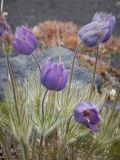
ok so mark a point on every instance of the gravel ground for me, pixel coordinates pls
(30, 12)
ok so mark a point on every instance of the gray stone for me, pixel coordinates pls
(24, 65)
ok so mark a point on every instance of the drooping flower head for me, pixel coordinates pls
(54, 76)
(99, 30)
(87, 114)
(24, 41)
(108, 21)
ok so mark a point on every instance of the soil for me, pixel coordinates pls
(31, 12)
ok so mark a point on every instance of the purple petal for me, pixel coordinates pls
(19, 33)
(22, 47)
(78, 116)
(87, 114)
(51, 77)
(92, 127)
(45, 69)
(95, 118)
(108, 21)
(31, 39)
(61, 67)
(54, 76)
(84, 106)
(61, 83)
(100, 16)
(107, 35)
(25, 30)
(91, 34)
(112, 23)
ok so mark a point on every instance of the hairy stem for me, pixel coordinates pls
(94, 73)
(7, 154)
(25, 149)
(38, 63)
(43, 100)
(114, 106)
(12, 78)
(59, 45)
(73, 63)
(34, 142)
(68, 123)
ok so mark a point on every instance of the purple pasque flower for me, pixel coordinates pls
(99, 30)
(109, 22)
(87, 114)
(24, 41)
(91, 34)
(54, 76)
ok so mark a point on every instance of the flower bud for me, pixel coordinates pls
(54, 76)
(109, 22)
(24, 41)
(99, 30)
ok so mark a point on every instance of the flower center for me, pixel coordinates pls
(87, 114)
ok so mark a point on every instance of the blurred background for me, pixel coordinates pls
(31, 12)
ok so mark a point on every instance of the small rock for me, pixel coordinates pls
(24, 65)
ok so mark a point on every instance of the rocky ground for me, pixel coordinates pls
(31, 12)
(24, 65)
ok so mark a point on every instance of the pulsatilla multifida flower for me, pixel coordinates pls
(24, 41)
(99, 30)
(108, 21)
(87, 114)
(54, 76)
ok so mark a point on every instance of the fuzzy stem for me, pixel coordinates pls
(59, 45)
(68, 123)
(34, 142)
(73, 63)
(94, 73)
(41, 148)
(38, 63)
(7, 154)
(113, 108)
(25, 149)
(43, 100)
(13, 86)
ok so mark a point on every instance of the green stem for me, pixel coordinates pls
(59, 45)
(41, 148)
(7, 154)
(43, 100)
(34, 142)
(94, 73)
(73, 63)
(10, 70)
(38, 63)
(114, 106)
(25, 148)
(68, 123)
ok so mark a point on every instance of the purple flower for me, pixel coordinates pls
(54, 76)
(99, 30)
(87, 114)
(108, 21)
(24, 41)
(91, 34)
